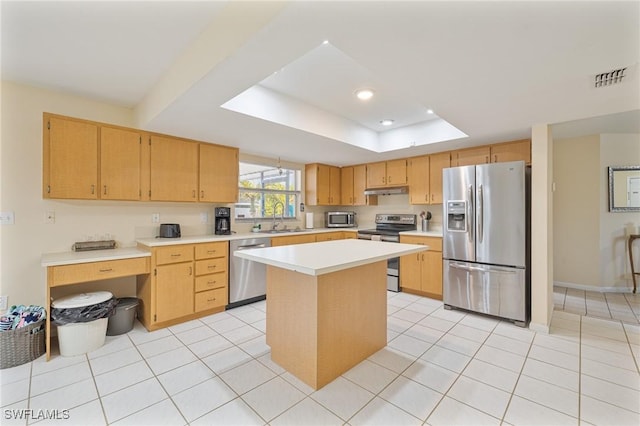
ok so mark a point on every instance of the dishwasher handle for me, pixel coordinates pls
(251, 246)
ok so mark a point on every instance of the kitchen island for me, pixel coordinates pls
(326, 304)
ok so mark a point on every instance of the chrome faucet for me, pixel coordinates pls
(275, 205)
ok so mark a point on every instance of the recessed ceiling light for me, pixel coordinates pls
(386, 122)
(364, 94)
(325, 42)
(429, 111)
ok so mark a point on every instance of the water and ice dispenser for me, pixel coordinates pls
(457, 216)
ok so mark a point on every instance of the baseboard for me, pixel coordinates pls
(593, 288)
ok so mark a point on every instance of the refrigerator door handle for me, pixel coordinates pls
(469, 213)
(491, 269)
(480, 213)
(461, 266)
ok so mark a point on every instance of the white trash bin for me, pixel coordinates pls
(81, 337)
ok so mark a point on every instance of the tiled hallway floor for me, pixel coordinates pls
(440, 368)
(618, 306)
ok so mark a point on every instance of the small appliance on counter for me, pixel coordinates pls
(222, 221)
(340, 219)
(169, 230)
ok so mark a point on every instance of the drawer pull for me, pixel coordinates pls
(106, 270)
(210, 283)
(211, 251)
(211, 266)
(211, 300)
(176, 254)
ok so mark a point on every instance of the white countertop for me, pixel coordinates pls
(435, 233)
(75, 257)
(329, 256)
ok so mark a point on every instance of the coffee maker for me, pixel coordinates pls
(222, 223)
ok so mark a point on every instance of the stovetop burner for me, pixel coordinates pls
(389, 226)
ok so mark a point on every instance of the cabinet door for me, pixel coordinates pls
(512, 151)
(397, 172)
(119, 164)
(174, 291)
(174, 169)
(437, 162)
(70, 157)
(411, 271)
(334, 186)
(359, 186)
(472, 156)
(432, 273)
(293, 239)
(346, 185)
(418, 170)
(329, 236)
(218, 174)
(377, 175)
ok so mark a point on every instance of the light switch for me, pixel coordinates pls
(7, 218)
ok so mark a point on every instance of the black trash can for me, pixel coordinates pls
(123, 320)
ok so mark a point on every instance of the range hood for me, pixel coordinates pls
(387, 191)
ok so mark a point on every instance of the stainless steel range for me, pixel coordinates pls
(388, 228)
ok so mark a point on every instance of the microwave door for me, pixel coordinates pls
(458, 187)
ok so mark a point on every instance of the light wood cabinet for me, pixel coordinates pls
(174, 169)
(218, 167)
(387, 173)
(322, 185)
(186, 281)
(471, 156)
(421, 273)
(353, 184)
(418, 171)
(292, 239)
(70, 158)
(512, 151)
(120, 164)
(437, 162)
(329, 236)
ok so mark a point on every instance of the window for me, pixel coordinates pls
(262, 187)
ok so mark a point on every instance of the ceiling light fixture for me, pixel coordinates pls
(364, 94)
(386, 122)
(429, 111)
(325, 42)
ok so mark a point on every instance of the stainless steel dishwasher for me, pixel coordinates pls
(247, 279)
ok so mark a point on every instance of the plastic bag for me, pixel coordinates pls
(89, 313)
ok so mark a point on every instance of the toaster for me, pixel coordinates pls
(169, 230)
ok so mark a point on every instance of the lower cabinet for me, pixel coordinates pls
(311, 238)
(421, 273)
(186, 281)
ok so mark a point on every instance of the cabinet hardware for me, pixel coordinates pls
(105, 190)
(212, 266)
(211, 251)
(193, 194)
(201, 194)
(176, 254)
(210, 283)
(106, 270)
(93, 189)
(48, 125)
(211, 300)
(48, 189)
(389, 179)
(155, 272)
(190, 270)
(495, 158)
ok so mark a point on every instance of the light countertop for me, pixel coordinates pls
(75, 257)
(329, 256)
(435, 233)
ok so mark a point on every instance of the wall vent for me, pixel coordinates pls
(610, 78)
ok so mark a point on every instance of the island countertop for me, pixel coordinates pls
(328, 256)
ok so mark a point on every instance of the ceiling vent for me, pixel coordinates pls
(610, 78)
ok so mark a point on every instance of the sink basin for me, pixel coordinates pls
(282, 231)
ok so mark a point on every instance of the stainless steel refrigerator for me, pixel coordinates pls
(486, 256)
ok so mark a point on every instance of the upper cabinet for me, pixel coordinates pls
(387, 173)
(353, 184)
(174, 169)
(120, 157)
(512, 151)
(437, 162)
(322, 185)
(218, 174)
(70, 158)
(471, 156)
(425, 178)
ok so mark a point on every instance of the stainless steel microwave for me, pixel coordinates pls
(340, 219)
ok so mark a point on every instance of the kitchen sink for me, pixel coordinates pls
(282, 231)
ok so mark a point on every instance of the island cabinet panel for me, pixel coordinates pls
(322, 185)
(422, 273)
(174, 169)
(70, 158)
(120, 164)
(218, 174)
(512, 151)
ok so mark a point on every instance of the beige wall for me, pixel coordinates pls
(576, 212)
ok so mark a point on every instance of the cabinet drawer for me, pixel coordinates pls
(208, 250)
(94, 271)
(211, 299)
(209, 266)
(434, 243)
(174, 254)
(211, 281)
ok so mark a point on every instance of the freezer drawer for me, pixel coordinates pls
(493, 290)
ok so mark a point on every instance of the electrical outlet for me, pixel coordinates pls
(49, 217)
(7, 218)
(4, 303)
(155, 218)
(204, 217)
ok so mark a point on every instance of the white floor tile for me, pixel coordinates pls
(380, 412)
(428, 334)
(114, 361)
(307, 412)
(446, 358)
(159, 346)
(189, 325)
(553, 357)
(520, 412)
(611, 393)
(342, 397)
(610, 373)
(437, 323)
(248, 315)
(431, 375)
(398, 325)
(169, 360)
(132, 399)
(13, 392)
(408, 315)
(270, 364)
(140, 335)
(371, 376)
(185, 377)
(242, 334)
(227, 324)
(451, 315)
(552, 374)
(480, 321)
(469, 333)
(247, 376)
(13, 414)
(481, 396)
(111, 344)
(256, 347)
(607, 357)
(89, 414)
(273, 398)
(557, 344)
(508, 344)
(195, 334)
(600, 413)
(41, 365)
(546, 394)
(421, 308)
(210, 346)
(226, 360)
(297, 383)
(59, 378)
(203, 398)
(163, 413)
(118, 379)
(15, 374)
(410, 345)
(607, 344)
(412, 397)
(459, 344)
(392, 359)
(491, 374)
(65, 398)
(236, 412)
(451, 412)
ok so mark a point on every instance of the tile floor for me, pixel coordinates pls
(440, 368)
(618, 306)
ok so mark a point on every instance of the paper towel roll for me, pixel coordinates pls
(309, 221)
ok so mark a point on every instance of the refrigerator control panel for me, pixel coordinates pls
(457, 215)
